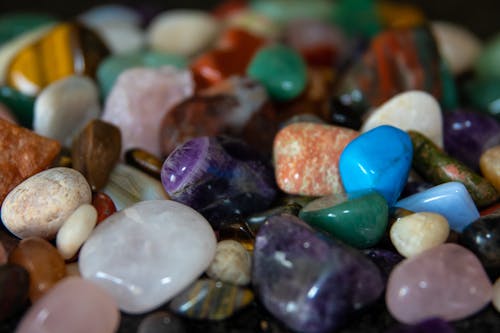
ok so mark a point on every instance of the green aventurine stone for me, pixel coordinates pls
(281, 70)
(113, 66)
(357, 17)
(484, 94)
(14, 24)
(282, 11)
(359, 220)
(22, 106)
(487, 64)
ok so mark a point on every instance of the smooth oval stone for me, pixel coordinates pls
(358, 220)
(95, 152)
(446, 281)
(43, 263)
(14, 288)
(22, 106)
(432, 325)
(308, 282)
(484, 94)
(239, 232)
(139, 100)
(379, 160)
(144, 161)
(127, 186)
(467, 135)
(496, 294)
(17, 23)
(486, 65)
(450, 200)
(104, 206)
(385, 260)
(306, 158)
(483, 238)
(410, 110)
(489, 162)
(62, 308)
(231, 264)
(161, 321)
(39, 205)
(438, 167)
(183, 32)
(457, 45)
(76, 230)
(146, 254)
(415, 233)
(211, 300)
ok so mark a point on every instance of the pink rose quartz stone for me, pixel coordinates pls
(446, 281)
(73, 305)
(140, 99)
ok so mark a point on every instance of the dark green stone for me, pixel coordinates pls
(357, 17)
(449, 97)
(14, 24)
(487, 65)
(22, 106)
(485, 95)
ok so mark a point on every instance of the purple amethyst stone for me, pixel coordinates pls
(385, 260)
(307, 281)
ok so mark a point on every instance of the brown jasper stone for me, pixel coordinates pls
(104, 205)
(144, 161)
(22, 154)
(96, 151)
(240, 232)
(42, 261)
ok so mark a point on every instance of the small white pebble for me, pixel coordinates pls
(76, 230)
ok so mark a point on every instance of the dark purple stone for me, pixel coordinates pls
(307, 281)
(220, 177)
(468, 134)
(385, 260)
(432, 325)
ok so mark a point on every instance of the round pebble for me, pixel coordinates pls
(232, 263)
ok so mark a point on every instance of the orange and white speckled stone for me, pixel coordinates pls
(306, 157)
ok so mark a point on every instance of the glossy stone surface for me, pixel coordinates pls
(256, 220)
(76, 230)
(239, 232)
(308, 282)
(144, 161)
(379, 160)
(75, 305)
(231, 264)
(104, 206)
(450, 200)
(385, 260)
(95, 152)
(489, 163)
(358, 220)
(306, 158)
(211, 300)
(161, 321)
(483, 238)
(220, 177)
(437, 167)
(446, 281)
(146, 254)
(14, 288)
(43, 263)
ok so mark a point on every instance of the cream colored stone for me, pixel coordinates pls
(415, 233)
(232, 263)
(76, 230)
(40, 204)
(490, 165)
(496, 295)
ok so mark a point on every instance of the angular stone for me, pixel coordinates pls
(231, 264)
(446, 281)
(450, 200)
(486, 65)
(22, 154)
(308, 282)
(220, 177)
(21, 105)
(358, 220)
(76, 230)
(43, 263)
(489, 162)
(437, 167)
(144, 161)
(62, 308)
(39, 205)
(95, 152)
(306, 158)
(410, 110)
(104, 206)
(379, 160)
(146, 254)
(140, 99)
(385, 260)
(14, 288)
(432, 325)
(211, 300)
(161, 321)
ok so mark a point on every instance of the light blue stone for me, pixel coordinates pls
(380, 160)
(449, 199)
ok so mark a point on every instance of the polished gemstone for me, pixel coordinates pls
(231, 264)
(484, 94)
(239, 232)
(385, 260)
(487, 64)
(357, 17)
(15, 24)
(104, 205)
(161, 321)
(489, 163)
(432, 325)
(14, 288)
(144, 161)
(76, 230)
(256, 220)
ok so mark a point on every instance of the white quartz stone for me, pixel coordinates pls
(146, 254)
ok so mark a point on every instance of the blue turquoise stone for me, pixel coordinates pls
(379, 160)
(449, 199)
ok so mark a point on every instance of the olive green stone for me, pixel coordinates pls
(357, 17)
(487, 64)
(281, 70)
(485, 95)
(359, 220)
(14, 24)
(22, 106)
(437, 167)
(282, 11)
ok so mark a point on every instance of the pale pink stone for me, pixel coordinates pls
(447, 281)
(3, 254)
(73, 305)
(140, 99)
(6, 114)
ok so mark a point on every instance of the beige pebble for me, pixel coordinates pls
(496, 294)
(490, 165)
(76, 230)
(418, 232)
(232, 263)
(40, 204)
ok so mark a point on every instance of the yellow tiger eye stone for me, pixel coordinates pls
(396, 15)
(68, 48)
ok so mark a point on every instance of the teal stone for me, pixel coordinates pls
(113, 66)
(357, 17)
(22, 106)
(449, 97)
(484, 94)
(14, 24)
(281, 70)
(359, 220)
(282, 11)
(487, 64)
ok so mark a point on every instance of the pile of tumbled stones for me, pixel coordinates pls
(272, 166)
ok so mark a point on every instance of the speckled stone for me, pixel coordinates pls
(232, 263)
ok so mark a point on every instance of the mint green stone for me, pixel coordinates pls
(281, 70)
(449, 98)
(485, 95)
(282, 11)
(113, 66)
(14, 24)
(22, 106)
(357, 17)
(488, 63)
(359, 220)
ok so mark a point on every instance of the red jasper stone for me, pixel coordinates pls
(104, 205)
